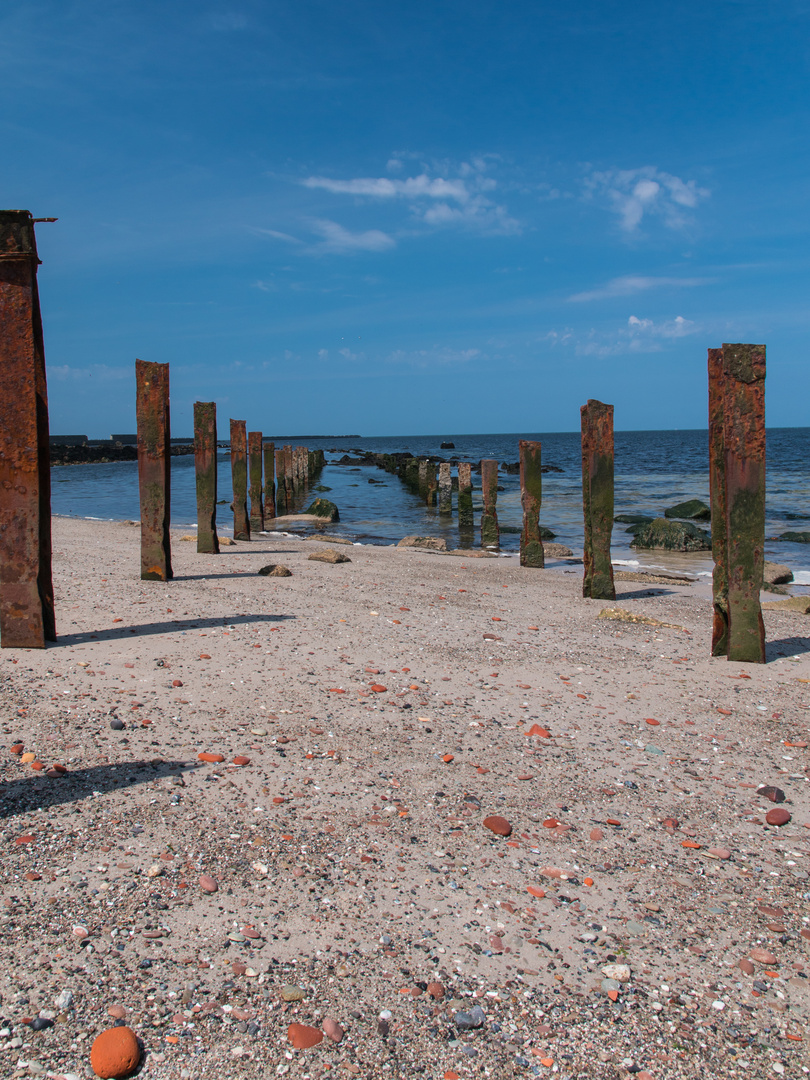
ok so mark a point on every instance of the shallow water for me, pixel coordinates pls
(654, 469)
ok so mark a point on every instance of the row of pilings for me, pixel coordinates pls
(270, 480)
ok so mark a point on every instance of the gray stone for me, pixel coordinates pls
(777, 574)
(329, 556)
(275, 570)
(692, 509)
(323, 508)
(430, 543)
(673, 536)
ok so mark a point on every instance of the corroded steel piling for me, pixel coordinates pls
(269, 480)
(423, 478)
(289, 478)
(490, 532)
(431, 483)
(205, 467)
(26, 587)
(465, 501)
(239, 477)
(445, 489)
(531, 496)
(154, 468)
(255, 466)
(597, 499)
(739, 488)
(717, 499)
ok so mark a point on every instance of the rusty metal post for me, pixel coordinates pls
(597, 499)
(154, 468)
(490, 531)
(432, 484)
(445, 489)
(239, 477)
(531, 496)
(289, 479)
(27, 618)
(717, 499)
(465, 501)
(255, 463)
(205, 467)
(740, 485)
(269, 480)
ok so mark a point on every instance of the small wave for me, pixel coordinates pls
(626, 562)
(801, 577)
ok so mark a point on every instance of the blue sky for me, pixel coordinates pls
(385, 218)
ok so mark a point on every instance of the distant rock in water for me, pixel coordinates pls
(325, 509)
(632, 519)
(691, 510)
(672, 535)
(447, 446)
(796, 537)
(512, 468)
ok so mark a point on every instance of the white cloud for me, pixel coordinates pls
(634, 194)
(674, 328)
(435, 200)
(277, 235)
(630, 284)
(443, 356)
(636, 336)
(336, 238)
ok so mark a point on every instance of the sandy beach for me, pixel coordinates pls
(639, 918)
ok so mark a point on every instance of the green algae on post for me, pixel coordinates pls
(255, 467)
(531, 497)
(490, 532)
(241, 524)
(597, 499)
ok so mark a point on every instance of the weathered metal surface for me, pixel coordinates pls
(597, 499)
(465, 501)
(154, 468)
(531, 496)
(239, 479)
(269, 480)
(717, 499)
(289, 479)
(431, 483)
(744, 431)
(445, 488)
(490, 531)
(205, 467)
(256, 493)
(423, 478)
(27, 618)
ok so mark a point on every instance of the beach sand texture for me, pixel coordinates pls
(382, 709)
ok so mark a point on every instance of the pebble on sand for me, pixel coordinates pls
(208, 884)
(333, 1030)
(212, 759)
(778, 816)
(302, 1036)
(499, 825)
(115, 1053)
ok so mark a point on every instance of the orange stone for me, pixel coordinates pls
(499, 825)
(210, 758)
(302, 1036)
(540, 732)
(115, 1053)
(240, 759)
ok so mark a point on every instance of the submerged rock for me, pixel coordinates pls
(796, 537)
(692, 509)
(323, 508)
(672, 535)
(632, 519)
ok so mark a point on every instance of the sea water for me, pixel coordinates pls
(653, 470)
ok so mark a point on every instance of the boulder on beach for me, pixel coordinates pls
(557, 551)
(796, 537)
(691, 510)
(672, 535)
(430, 543)
(323, 508)
(776, 574)
(329, 556)
(275, 570)
(792, 603)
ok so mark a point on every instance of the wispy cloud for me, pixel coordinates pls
(462, 197)
(336, 238)
(630, 284)
(634, 194)
(100, 372)
(635, 336)
(442, 356)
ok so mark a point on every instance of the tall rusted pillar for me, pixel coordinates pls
(239, 477)
(154, 468)
(431, 484)
(423, 478)
(205, 467)
(26, 587)
(490, 532)
(465, 501)
(269, 480)
(737, 484)
(531, 496)
(255, 465)
(289, 479)
(597, 499)
(445, 489)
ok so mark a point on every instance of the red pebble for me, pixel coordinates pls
(302, 1036)
(499, 825)
(115, 1053)
(779, 816)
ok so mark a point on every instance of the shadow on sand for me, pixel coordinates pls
(169, 626)
(35, 791)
